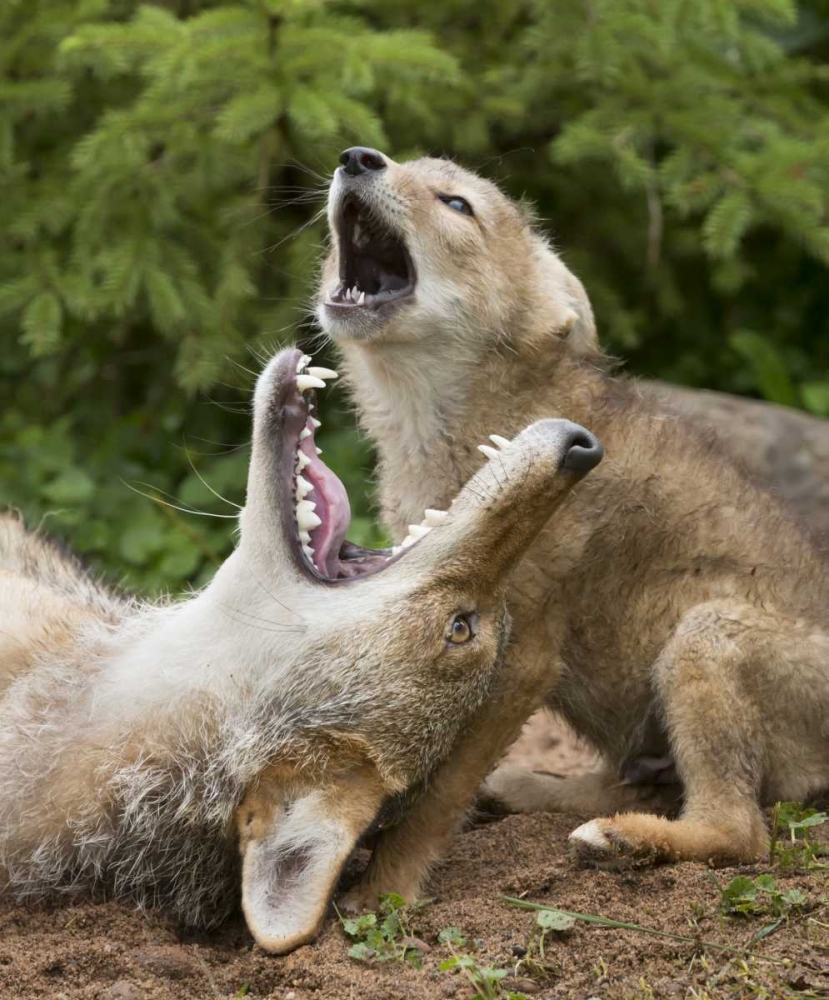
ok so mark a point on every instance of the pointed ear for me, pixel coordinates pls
(294, 842)
(579, 326)
(570, 315)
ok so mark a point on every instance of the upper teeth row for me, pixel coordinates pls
(355, 295)
(306, 519)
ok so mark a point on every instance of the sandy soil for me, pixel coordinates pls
(111, 952)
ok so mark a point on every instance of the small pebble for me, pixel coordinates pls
(519, 950)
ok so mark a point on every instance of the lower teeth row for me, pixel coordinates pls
(433, 518)
(354, 295)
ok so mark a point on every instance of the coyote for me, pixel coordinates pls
(253, 732)
(672, 612)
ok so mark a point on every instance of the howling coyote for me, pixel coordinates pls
(250, 734)
(672, 612)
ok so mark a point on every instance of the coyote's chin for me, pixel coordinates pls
(235, 745)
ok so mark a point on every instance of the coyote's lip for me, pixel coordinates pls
(312, 493)
(375, 267)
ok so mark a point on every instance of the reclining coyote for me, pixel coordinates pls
(283, 710)
(678, 615)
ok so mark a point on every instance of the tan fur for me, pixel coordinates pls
(683, 611)
(273, 715)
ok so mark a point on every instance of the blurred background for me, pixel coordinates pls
(163, 171)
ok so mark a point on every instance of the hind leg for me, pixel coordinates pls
(517, 790)
(717, 738)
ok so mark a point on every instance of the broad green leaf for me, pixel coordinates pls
(554, 920)
(74, 486)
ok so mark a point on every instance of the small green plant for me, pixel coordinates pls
(486, 980)
(387, 935)
(759, 897)
(452, 936)
(535, 963)
(552, 922)
(791, 842)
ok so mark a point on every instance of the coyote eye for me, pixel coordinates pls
(462, 629)
(457, 203)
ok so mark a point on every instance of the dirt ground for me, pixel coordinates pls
(111, 952)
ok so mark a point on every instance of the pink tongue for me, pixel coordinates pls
(333, 507)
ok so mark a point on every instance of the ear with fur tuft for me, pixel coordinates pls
(294, 844)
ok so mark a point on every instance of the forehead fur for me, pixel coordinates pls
(447, 177)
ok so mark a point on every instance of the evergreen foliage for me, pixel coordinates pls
(162, 175)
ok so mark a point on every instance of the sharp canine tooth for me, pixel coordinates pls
(307, 520)
(418, 530)
(362, 299)
(304, 382)
(302, 487)
(489, 452)
(434, 517)
(301, 461)
(502, 442)
(318, 451)
(323, 373)
(316, 424)
(304, 433)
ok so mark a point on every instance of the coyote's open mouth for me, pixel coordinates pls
(315, 496)
(375, 266)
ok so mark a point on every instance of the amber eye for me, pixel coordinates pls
(461, 630)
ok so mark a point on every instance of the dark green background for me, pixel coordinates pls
(162, 167)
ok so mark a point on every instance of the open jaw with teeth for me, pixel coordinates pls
(375, 266)
(321, 511)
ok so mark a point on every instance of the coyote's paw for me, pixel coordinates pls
(601, 843)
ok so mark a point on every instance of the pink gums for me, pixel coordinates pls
(332, 508)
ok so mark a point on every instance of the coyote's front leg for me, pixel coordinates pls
(704, 678)
(404, 853)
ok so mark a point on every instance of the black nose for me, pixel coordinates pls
(360, 160)
(583, 450)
